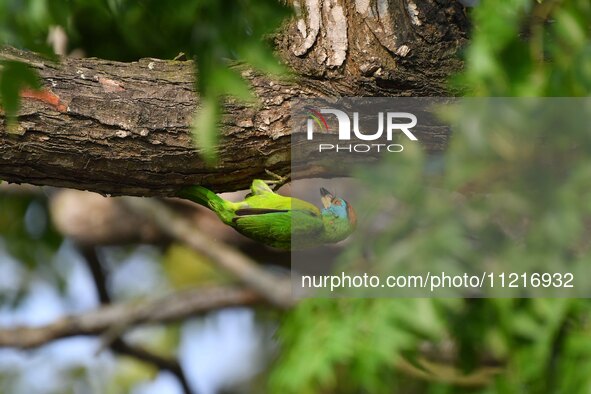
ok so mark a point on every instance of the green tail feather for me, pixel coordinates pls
(209, 199)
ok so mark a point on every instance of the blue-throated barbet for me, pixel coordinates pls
(276, 220)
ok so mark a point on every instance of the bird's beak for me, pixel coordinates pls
(327, 197)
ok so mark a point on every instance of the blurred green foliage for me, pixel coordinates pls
(353, 345)
(26, 233)
(211, 32)
(512, 192)
(26, 229)
(528, 48)
(185, 268)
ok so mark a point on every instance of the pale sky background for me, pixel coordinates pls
(222, 349)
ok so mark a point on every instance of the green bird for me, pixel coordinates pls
(276, 220)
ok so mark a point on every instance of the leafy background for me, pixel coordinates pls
(518, 48)
(541, 345)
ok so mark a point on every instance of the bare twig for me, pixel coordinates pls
(96, 270)
(172, 307)
(438, 372)
(277, 289)
(163, 363)
(119, 345)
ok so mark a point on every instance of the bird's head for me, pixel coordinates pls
(338, 207)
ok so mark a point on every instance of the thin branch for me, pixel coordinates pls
(98, 274)
(119, 345)
(447, 373)
(172, 307)
(277, 289)
(162, 363)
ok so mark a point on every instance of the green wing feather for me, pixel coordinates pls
(275, 219)
(264, 216)
(272, 200)
(278, 226)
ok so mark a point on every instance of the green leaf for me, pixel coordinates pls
(262, 58)
(204, 130)
(224, 81)
(14, 77)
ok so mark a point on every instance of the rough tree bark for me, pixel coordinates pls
(124, 128)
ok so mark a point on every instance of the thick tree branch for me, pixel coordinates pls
(124, 128)
(172, 307)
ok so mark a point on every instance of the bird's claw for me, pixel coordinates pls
(278, 181)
